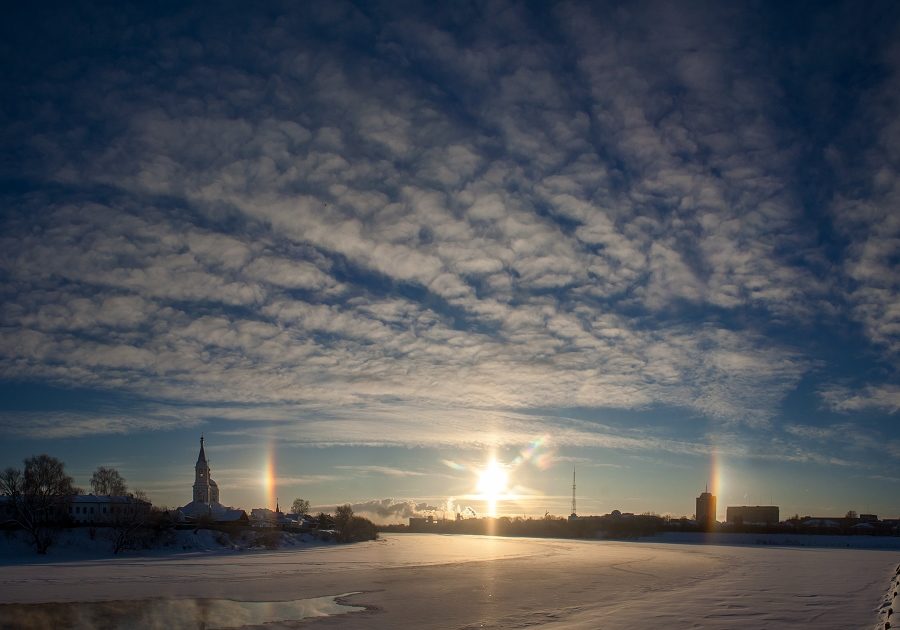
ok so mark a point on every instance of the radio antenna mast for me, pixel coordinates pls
(573, 491)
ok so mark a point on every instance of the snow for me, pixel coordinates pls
(889, 603)
(214, 509)
(779, 540)
(84, 544)
(434, 581)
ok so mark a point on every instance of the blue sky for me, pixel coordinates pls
(371, 246)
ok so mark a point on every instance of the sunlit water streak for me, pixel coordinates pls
(157, 614)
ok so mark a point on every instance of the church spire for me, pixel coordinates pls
(203, 492)
(202, 457)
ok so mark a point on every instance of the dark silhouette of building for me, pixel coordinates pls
(752, 515)
(706, 510)
(421, 523)
(868, 518)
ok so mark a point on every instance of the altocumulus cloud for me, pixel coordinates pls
(326, 218)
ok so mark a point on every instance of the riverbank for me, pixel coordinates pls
(84, 543)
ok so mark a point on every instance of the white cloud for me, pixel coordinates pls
(873, 397)
(348, 244)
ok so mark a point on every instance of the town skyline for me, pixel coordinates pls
(509, 502)
(367, 249)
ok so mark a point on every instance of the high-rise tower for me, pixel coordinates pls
(706, 510)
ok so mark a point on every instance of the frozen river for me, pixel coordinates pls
(431, 581)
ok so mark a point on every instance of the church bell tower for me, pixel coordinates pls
(201, 477)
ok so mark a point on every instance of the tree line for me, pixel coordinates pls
(347, 526)
(37, 498)
(38, 495)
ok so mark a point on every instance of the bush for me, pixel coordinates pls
(270, 539)
(359, 529)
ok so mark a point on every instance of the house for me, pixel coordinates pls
(106, 509)
(752, 515)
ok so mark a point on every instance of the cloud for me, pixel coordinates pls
(884, 398)
(387, 511)
(382, 470)
(849, 437)
(583, 461)
(465, 225)
(865, 212)
(65, 424)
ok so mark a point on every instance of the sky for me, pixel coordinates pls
(367, 248)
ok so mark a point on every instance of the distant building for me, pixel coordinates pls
(421, 523)
(264, 517)
(706, 510)
(752, 515)
(822, 522)
(84, 509)
(868, 518)
(206, 497)
(106, 510)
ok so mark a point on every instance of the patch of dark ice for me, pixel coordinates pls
(179, 614)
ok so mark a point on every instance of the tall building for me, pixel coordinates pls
(205, 489)
(706, 510)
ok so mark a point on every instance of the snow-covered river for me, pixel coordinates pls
(431, 581)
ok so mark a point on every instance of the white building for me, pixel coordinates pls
(105, 509)
(205, 489)
(206, 496)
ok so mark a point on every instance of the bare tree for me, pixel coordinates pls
(11, 482)
(12, 485)
(140, 494)
(352, 528)
(39, 495)
(108, 481)
(129, 518)
(324, 521)
(342, 517)
(301, 506)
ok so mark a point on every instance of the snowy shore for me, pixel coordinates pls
(84, 544)
(433, 581)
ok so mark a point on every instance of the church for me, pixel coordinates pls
(206, 496)
(205, 489)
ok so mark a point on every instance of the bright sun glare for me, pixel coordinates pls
(492, 482)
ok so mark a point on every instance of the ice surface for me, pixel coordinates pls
(168, 614)
(432, 581)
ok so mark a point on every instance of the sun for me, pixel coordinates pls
(492, 482)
